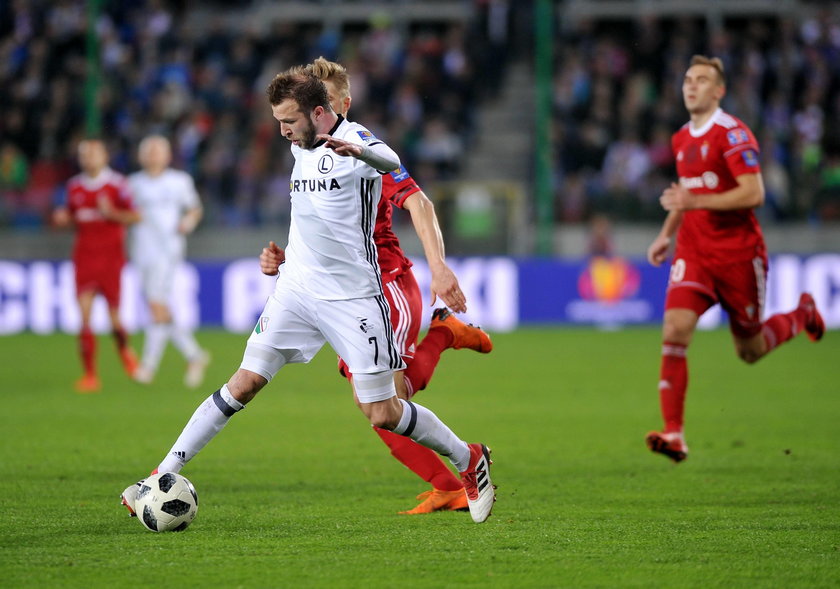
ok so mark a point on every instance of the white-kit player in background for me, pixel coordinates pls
(329, 290)
(170, 209)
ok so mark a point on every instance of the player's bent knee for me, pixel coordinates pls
(383, 414)
(676, 333)
(244, 385)
(749, 356)
(678, 326)
(751, 350)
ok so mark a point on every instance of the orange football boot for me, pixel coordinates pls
(465, 335)
(439, 500)
(89, 383)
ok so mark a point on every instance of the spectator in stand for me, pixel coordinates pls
(164, 72)
(14, 175)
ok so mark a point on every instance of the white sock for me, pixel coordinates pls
(157, 335)
(426, 428)
(207, 421)
(184, 341)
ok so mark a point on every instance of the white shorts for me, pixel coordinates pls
(293, 327)
(158, 278)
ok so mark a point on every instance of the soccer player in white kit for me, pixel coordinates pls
(170, 209)
(329, 291)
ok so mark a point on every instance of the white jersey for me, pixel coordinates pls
(331, 254)
(161, 200)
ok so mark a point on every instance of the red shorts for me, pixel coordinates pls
(406, 305)
(101, 275)
(740, 288)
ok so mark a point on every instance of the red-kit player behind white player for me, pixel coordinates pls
(99, 205)
(446, 331)
(720, 255)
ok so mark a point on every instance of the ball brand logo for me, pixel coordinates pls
(608, 280)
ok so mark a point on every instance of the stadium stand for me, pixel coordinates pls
(421, 80)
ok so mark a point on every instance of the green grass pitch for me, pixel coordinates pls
(298, 492)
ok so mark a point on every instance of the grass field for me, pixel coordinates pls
(298, 492)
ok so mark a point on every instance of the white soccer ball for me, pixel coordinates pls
(166, 502)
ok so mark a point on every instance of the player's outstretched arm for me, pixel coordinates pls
(270, 259)
(444, 282)
(379, 157)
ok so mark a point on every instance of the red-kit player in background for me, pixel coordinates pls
(100, 207)
(720, 255)
(445, 331)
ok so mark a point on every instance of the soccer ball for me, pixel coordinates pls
(166, 502)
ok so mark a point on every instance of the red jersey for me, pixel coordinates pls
(396, 187)
(709, 160)
(97, 237)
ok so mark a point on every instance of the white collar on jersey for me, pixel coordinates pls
(706, 126)
(97, 182)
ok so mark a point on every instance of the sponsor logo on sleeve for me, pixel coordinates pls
(737, 136)
(750, 157)
(262, 325)
(399, 174)
(366, 136)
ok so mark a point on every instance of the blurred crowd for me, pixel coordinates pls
(617, 100)
(203, 86)
(616, 93)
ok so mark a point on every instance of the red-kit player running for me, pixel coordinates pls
(720, 255)
(445, 331)
(99, 205)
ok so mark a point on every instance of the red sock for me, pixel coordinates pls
(426, 358)
(87, 349)
(782, 327)
(121, 338)
(673, 381)
(421, 460)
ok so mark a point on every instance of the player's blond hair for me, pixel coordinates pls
(330, 71)
(714, 62)
(149, 140)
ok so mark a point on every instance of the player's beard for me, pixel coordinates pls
(307, 137)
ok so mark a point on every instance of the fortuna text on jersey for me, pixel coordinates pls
(313, 185)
